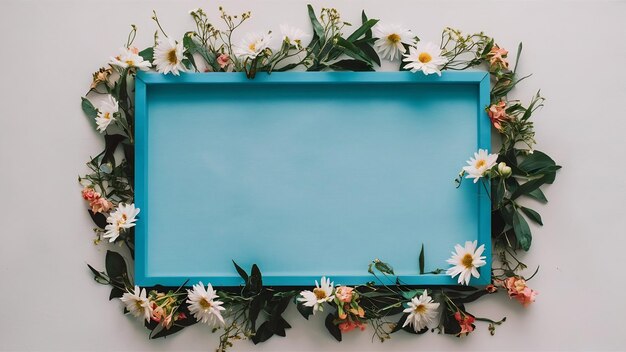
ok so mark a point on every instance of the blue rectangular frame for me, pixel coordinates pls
(145, 80)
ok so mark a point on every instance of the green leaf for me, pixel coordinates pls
(98, 218)
(368, 33)
(90, 111)
(369, 51)
(532, 215)
(116, 292)
(383, 267)
(522, 231)
(421, 260)
(304, 310)
(241, 272)
(412, 293)
(262, 334)
(166, 332)
(351, 65)
(317, 27)
(538, 195)
(115, 266)
(332, 327)
(147, 54)
(365, 27)
(519, 52)
(255, 308)
(535, 162)
(352, 50)
(98, 276)
(256, 279)
(529, 186)
(111, 141)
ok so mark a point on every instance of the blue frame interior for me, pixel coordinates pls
(146, 81)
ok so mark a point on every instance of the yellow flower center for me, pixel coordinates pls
(205, 304)
(468, 261)
(252, 47)
(394, 38)
(420, 309)
(130, 63)
(319, 293)
(107, 115)
(138, 305)
(171, 57)
(480, 163)
(424, 58)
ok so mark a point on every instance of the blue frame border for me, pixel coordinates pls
(144, 80)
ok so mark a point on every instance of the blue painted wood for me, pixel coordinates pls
(306, 174)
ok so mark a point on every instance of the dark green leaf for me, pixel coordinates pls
(529, 186)
(368, 33)
(369, 51)
(147, 54)
(304, 310)
(532, 215)
(256, 279)
(262, 334)
(111, 141)
(351, 65)
(410, 294)
(400, 322)
(241, 272)
(98, 276)
(98, 218)
(535, 162)
(522, 231)
(116, 293)
(538, 195)
(332, 327)
(317, 27)
(383, 267)
(498, 192)
(166, 332)
(519, 52)
(352, 50)
(255, 308)
(421, 260)
(115, 266)
(365, 28)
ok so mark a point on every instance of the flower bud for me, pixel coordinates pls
(504, 170)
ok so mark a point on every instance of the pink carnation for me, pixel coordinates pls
(497, 57)
(223, 60)
(497, 114)
(90, 194)
(344, 294)
(351, 325)
(465, 321)
(517, 289)
(100, 205)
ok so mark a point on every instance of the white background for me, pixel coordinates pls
(575, 49)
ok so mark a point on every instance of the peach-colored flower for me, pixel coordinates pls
(351, 325)
(223, 60)
(90, 194)
(491, 288)
(133, 50)
(497, 57)
(497, 114)
(100, 205)
(518, 289)
(344, 293)
(465, 322)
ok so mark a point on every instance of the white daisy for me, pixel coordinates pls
(465, 261)
(122, 218)
(294, 36)
(203, 306)
(253, 45)
(137, 303)
(129, 57)
(105, 113)
(390, 40)
(479, 164)
(422, 312)
(425, 57)
(168, 56)
(318, 296)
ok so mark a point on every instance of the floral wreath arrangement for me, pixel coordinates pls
(254, 311)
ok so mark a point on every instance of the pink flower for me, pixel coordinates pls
(497, 114)
(344, 293)
(100, 205)
(134, 50)
(90, 194)
(517, 289)
(497, 57)
(465, 322)
(223, 60)
(491, 288)
(351, 325)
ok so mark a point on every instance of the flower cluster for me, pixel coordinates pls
(516, 170)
